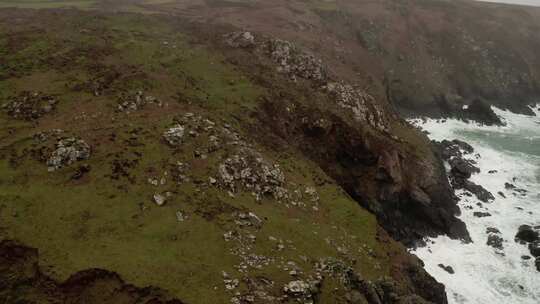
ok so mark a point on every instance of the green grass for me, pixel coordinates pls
(98, 221)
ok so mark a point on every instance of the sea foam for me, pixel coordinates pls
(484, 274)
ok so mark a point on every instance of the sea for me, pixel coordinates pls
(504, 154)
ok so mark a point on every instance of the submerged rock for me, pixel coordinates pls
(448, 269)
(68, 151)
(495, 241)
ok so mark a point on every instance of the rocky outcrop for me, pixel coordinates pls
(530, 235)
(22, 281)
(295, 62)
(481, 112)
(240, 39)
(527, 234)
(30, 105)
(461, 168)
(68, 151)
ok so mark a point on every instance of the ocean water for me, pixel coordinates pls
(484, 275)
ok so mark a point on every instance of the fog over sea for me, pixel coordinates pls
(483, 274)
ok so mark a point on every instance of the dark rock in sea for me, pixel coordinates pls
(534, 248)
(480, 192)
(481, 112)
(509, 186)
(527, 234)
(448, 269)
(481, 214)
(501, 194)
(526, 257)
(492, 171)
(462, 168)
(493, 230)
(537, 263)
(454, 148)
(495, 241)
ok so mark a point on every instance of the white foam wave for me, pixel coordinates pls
(484, 275)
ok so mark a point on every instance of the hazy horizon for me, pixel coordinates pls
(520, 2)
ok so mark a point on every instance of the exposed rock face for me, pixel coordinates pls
(363, 106)
(19, 270)
(411, 197)
(30, 105)
(249, 170)
(68, 151)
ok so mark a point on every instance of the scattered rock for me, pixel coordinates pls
(174, 136)
(448, 269)
(481, 214)
(159, 199)
(294, 62)
(30, 105)
(136, 101)
(81, 171)
(240, 39)
(180, 216)
(301, 291)
(68, 151)
(248, 170)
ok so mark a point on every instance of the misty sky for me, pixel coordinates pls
(525, 2)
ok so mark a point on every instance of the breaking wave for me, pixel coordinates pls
(508, 154)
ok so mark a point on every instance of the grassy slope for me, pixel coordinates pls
(110, 223)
